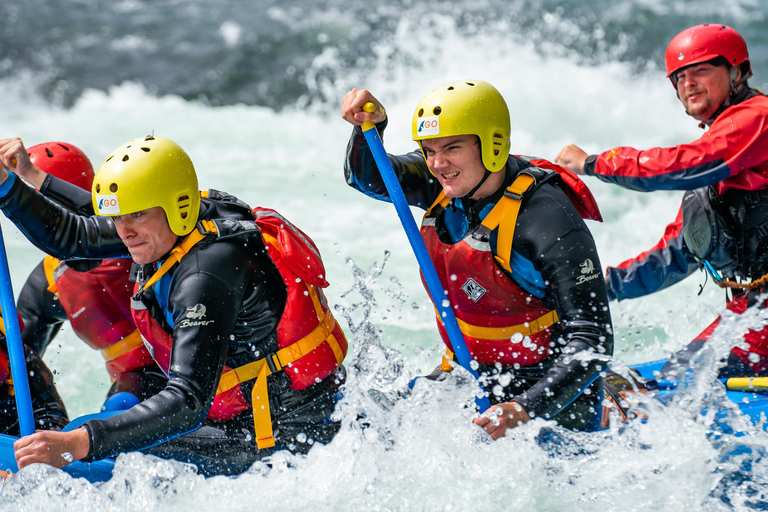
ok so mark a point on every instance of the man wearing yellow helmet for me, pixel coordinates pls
(511, 249)
(212, 289)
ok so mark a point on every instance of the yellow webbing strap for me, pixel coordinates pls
(441, 200)
(2, 326)
(445, 364)
(49, 266)
(504, 333)
(505, 214)
(182, 249)
(259, 370)
(130, 342)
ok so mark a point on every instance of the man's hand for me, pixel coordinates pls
(499, 418)
(352, 107)
(55, 448)
(572, 158)
(14, 157)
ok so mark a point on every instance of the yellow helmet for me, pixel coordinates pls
(466, 107)
(145, 173)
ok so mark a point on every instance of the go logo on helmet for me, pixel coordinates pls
(429, 126)
(107, 204)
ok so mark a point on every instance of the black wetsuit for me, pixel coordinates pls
(43, 314)
(555, 241)
(244, 297)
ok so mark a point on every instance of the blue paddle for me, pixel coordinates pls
(15, 347)
(420, 250)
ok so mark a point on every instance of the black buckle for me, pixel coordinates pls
(200, 227)
(271, 363)
(516, 197)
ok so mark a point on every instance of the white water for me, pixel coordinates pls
(424, 454)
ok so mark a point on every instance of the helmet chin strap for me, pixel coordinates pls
(469, 194)
(472, 192)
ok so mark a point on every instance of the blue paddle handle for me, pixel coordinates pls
(15, 347)
(422, 256)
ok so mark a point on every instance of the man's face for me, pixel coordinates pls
(702, 88)
(456, 162)
(146, 234)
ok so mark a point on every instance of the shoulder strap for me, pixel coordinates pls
(203, 229)
(504, 215)
(442, 200)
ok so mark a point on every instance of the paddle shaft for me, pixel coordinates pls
(434, 285)
(15, 346)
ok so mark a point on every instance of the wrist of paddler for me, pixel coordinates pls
(501, 417)
(89, 454)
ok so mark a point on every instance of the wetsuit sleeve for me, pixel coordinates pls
(666, 263)
(420, 187)
(214, 278)
(553, 236)
(736, 141)
(40, 310)
(58, 232)
(68, 195)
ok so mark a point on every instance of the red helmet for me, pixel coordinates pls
(64, 161)
(703, 43)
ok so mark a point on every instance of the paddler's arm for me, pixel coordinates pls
(54, 229)
(200, 347)
(558, 242)
(666, 263)
(419, 185)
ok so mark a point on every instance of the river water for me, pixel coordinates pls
(252, 92)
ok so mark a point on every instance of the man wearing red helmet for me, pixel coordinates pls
(93, 295)
(723, 221)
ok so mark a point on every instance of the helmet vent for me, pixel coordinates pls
(184, 205)
(62, 146)
(126, 158)
(470, 84)
(113, 188)
(498, 140)
(48, 152)
(98, 188)
(437, 110)
(451, 88)
(145, 149)
(421, 112)
(109, 158)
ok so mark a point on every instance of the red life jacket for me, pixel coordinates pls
(311, 344)
(500, 321)
(5, 366)
(97, 303)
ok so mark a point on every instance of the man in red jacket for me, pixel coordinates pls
(723, 221)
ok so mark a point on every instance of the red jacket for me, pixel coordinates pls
(732, 153)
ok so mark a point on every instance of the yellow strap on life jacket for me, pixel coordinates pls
(445, 364)
(260, 370)
(504, 333)
(182, 249)
(504, 215)
(125, 345)
(49, 267)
